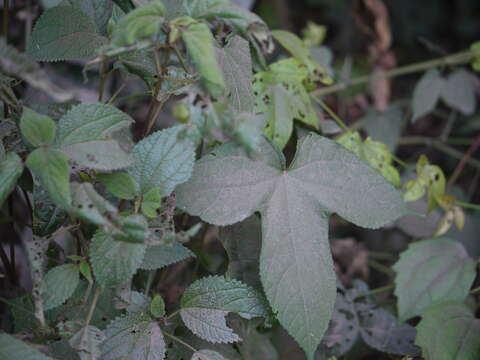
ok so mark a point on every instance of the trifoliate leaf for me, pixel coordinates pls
(447, 275)
(133, 336)
(207, 301)
(61, 282)
(460, 90)
(87, 132)
(114, 262)
(141, 23)
(64, 33)
(11, 168)
(207, 355)
(242, 242)
(38, 130)
(449, 331)
(159, 256)
(52, 170)
(87, 342)
(151, 203)
(119, 184)
(236, 63)
(295, 266)
(427, 93)
(157, 306)
(162, 160)
(12, 348)
(199, 43)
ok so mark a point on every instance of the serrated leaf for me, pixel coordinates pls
(87, 342)
(242, 242)
(119, 184)
(12, 348)
(459, 92)
(447, 275)
(449, 332)
(99, 12)
(427, 93)
(236, 63)
(64, 33)
(114, 262)
(207, 355)
(52, 170)
(199, 43)
(151, 202)
(134, 336)
(162, 160)
(295, 266)
(38, 130)
(90, 206)
(143, 22)
(47, 217)
(87, 134)
(61, 282)
(157, 306)
(11, 168)
(159, 256)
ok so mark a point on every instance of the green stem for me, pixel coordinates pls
(376, 291)
(454, 59)
(330, 112)
(380, 267)
(175, 313)
(468, 205)
(173, 337)
(151, 276)
(94, 304)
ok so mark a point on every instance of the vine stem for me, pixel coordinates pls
(454, 59)
(463, 161)
(376, 291)
(330, 112)
(180, 341)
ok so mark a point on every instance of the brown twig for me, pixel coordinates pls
(461, 165)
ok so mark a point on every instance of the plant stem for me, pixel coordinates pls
(151, 276)
(98, 291)
(173, 337)
(475, 291)
(6, 18)
(175, 313)
(461, 165)
(454, 59)
(468, 205)
(103, 79)
(380, 267)
(376, 291)
(330, 112)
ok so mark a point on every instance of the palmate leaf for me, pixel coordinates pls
(133, 336)
(87, 134)
(207, 301)
(12, 348)
(64, 33)
(447, 275)
(296, 267)
(449, 331)
(162, 160)
(11, 168)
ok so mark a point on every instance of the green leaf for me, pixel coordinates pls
(11, 168)
(447, 275)
(47, 217)
(427, 93)
(12, 348)
(162, 160)
(459, 91)
(84, 269)
(64, 33)
(199, 43)
(141, 23)
(52, 169)
(38, 130)
(134, 336)
(151, 203)
(296, 266)
(87, 135)
(87, 342)
(114, 262)
(236, 64)
(99, 12)
(386, 126)
(159, 256)
(449, 331)
(293, 44)
(119, 184)
(207, 355)
(61, 282)
(157, 306)
(90, 206)
(242, 242)
(208, 300)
